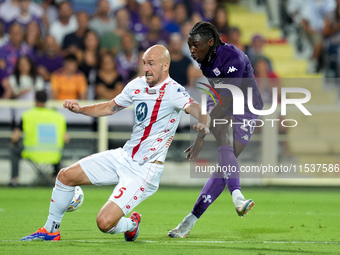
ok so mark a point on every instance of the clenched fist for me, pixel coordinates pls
(72, 105)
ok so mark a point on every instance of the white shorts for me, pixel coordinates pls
(135, 182)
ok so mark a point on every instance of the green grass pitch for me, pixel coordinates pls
(284, 221)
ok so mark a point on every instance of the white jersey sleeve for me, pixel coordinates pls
(180, 98)
(124, 99)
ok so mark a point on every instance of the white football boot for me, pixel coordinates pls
(243, 206)
(183, 228)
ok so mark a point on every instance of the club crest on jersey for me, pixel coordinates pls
(216, 71)
(141, 111)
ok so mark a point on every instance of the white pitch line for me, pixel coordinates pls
(192, 241)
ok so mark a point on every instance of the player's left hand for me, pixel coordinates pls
(194, 149)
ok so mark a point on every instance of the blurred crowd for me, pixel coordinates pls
(91, 49)
(315, 26)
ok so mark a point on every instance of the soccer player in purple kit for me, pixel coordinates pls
(220, 61)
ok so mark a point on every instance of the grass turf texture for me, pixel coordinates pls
(284, 221)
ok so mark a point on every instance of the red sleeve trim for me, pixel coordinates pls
(118, 104)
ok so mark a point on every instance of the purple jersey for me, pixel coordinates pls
(50, 63)
(231, 65)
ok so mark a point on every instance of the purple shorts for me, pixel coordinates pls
(243, 125)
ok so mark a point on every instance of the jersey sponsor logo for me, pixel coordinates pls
(137, 91)
(141, 111)
(150, 91)
(232, 69)
(216, 71)
(172, 121)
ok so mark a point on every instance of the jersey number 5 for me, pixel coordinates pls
(120, 192)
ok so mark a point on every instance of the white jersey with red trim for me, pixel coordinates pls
(157, 112)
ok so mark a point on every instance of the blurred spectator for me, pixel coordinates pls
(33, 37)
(168, 15)
(4, 37)
(68, 82)
(127, 58)
(185, 29)
(14, 48)
(221, 22)
(74, 42)
(234, 37)
(5, 87)
(109, 83)
(267, 80)
(313, 15)
(255, 50)
(181, 67)
(25, 80)
(36, 142)
(209, 9)
(50, 12)
(112, 41)
(102, 23)
(331, 33)
(66, 24)
(181, 13)
(155, 34)
(140, 23)
(116, 5)
(88, 58)
(294, 11)
(88, 6)
(25, 17)
(9, 11)
(194, 6)
(50, 59)
(123, 21)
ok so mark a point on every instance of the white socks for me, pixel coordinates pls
(125, 224)
(61, 198)
(237, 195)
(191, 219)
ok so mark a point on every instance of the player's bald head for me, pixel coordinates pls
(158, 53)
(156, 63)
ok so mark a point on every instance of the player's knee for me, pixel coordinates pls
(64, 177)
(104, 224)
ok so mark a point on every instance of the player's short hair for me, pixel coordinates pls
(41, 96)
(207, 31)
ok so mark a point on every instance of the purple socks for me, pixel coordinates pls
(229, 175)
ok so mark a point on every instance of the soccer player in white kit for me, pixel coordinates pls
(136, 168)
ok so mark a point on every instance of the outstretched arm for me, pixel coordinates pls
(93, 110)
(202, 128)
(203, 120)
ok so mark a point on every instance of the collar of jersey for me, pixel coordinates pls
(167, 80)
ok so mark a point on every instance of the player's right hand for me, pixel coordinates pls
(72, 105)
(194, 149)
